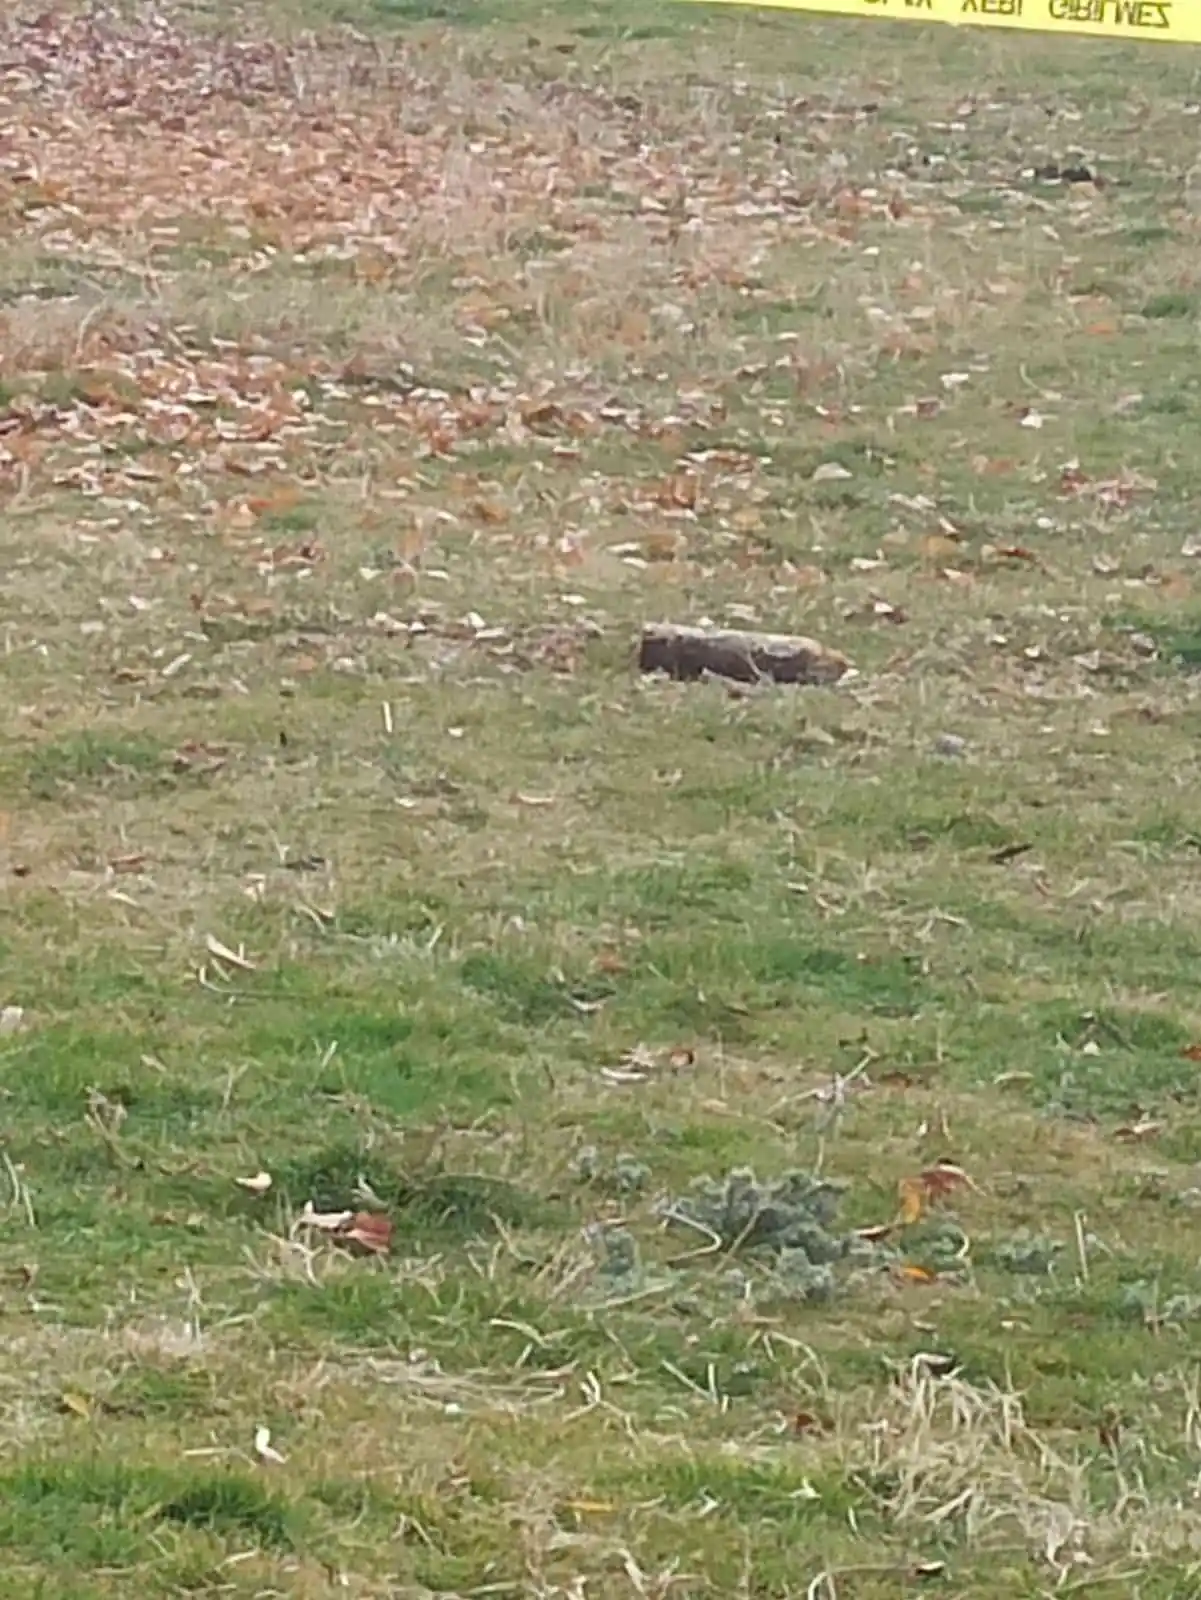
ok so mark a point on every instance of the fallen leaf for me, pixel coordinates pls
(12, 1019)
(492, 512)
(874, 1234)
(943, 1179)
(913, 1200)
(664, 544)
(910, 1272)
(1144, 1128)
(938, 547)
(259, 1184)
(222, 952)
(265, 1450)
(680, 492)
(281, 500)
(830, 472)
(1009, 852)
(77, 1404)
(1192, 1052)
(809, 1422)
(611, 963)
(370, 1231)
(933, 1364)
(129, 863)
(323, 1221)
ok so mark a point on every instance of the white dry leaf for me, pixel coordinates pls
(1033, 419)
(12, 1019)
(619, 1075)
(384, 623)
(265, 1450)
(222, 952)
(830, 472)
(323, 1221)
(954, 380)
(1192, 545)
(259, 1184)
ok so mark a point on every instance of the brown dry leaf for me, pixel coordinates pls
(809, 1422)
(1192, 1052)
(1009, 552)
(913, 1200)
(196, 756)
(78, 1405)
(492, 512)
(611, 963)
(680, 491)
(279, 501)
(944, 1178)
(664, 544)
(634, 328)
(127, 864)
(541, 416)
(369, 1230)
(910, 1272)
(940, 548)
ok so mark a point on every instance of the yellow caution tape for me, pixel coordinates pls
(1171, 21)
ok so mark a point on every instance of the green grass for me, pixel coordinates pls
(342, 841)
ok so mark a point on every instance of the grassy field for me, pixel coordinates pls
(478, 1121)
